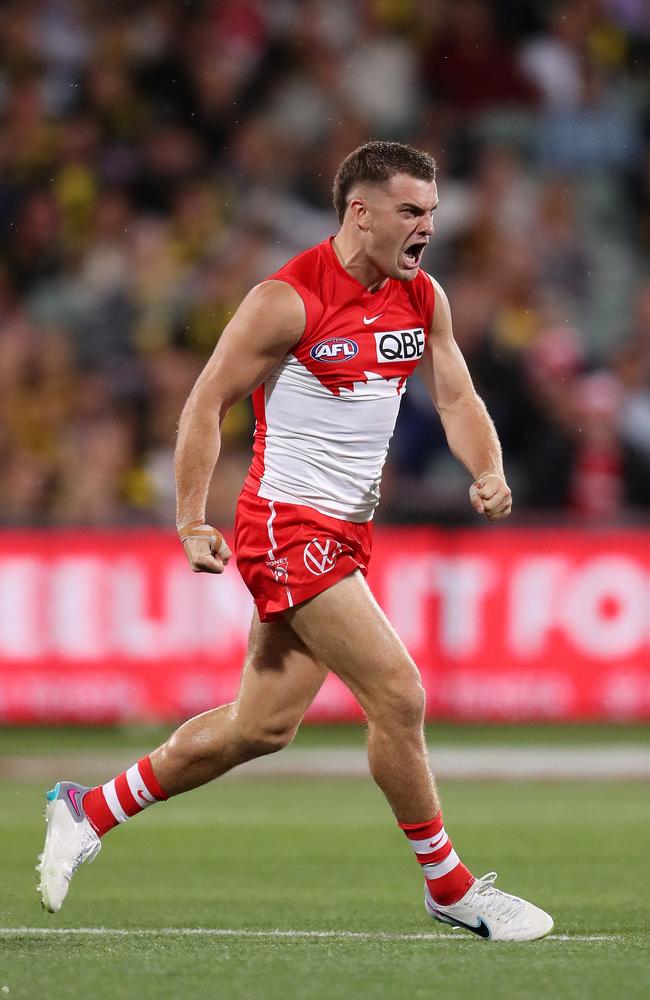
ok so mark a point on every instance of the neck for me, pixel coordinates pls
(355, 261)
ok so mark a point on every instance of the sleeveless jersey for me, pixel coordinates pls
(325, 416)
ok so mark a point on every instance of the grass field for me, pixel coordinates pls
(38, 740)
(225, 893)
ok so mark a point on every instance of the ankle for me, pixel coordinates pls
(126, 795)
(446, 891)
(446, 876)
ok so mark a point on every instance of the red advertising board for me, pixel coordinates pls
(503, 623)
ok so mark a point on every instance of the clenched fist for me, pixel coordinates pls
(205, 547)
(490, 495)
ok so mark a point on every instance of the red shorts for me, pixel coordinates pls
(287, 553)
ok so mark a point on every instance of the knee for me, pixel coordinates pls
(401, 705)
(408, 706)
(259, 738)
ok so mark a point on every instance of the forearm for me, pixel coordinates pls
(472, 437)
(197, 450)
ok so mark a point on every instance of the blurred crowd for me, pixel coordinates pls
(159, 158)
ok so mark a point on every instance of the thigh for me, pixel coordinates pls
(281, 677)
(286, 553)
(345, 629)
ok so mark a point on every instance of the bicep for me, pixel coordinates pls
(267, 325)
(443, 367)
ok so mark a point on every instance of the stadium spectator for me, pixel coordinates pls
(155, 161)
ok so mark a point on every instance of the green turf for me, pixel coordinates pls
(26, 740)
(325, 855)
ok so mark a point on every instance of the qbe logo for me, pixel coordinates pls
(400, 345)
(334, 349)
(320, 555)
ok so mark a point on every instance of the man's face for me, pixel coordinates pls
(397, 223)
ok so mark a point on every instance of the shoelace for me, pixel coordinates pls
(87, 852)
(500, 904)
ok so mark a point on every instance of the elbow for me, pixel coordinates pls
(204, 406)
(222, 409)
(214, 403)
(459, 403)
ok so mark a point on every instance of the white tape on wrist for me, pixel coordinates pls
(197, 529)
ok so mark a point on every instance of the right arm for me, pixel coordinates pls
(266, 326)
(469, 430)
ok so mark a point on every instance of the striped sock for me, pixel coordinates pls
(446, 876)
(132, 791)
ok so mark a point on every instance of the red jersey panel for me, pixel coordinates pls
(325, 416)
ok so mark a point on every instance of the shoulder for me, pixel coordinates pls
(272, 307)
(422, 293)
(304, 267)
(442, 310)
(438, 290)
(306, 274)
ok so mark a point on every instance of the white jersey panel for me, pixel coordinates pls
(323, 450)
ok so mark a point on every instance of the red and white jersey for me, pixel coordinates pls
(325, 416)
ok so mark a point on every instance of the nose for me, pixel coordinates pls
(426, 229)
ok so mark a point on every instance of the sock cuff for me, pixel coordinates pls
(150, 779)
(420, 831)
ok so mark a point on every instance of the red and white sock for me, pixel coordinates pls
(132, 791)
(446, 876)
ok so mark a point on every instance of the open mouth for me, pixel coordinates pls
(413, 254)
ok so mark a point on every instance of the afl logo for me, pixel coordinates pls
(334, 349)
(320, 555)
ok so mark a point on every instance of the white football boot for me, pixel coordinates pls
(491, 913)
(70, 840)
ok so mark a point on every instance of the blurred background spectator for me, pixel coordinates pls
(158, 159)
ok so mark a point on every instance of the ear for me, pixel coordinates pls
(358, 208)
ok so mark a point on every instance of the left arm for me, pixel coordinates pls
(470, 433)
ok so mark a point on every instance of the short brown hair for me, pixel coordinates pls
(376, 162)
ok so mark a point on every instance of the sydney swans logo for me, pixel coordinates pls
(320, 555)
